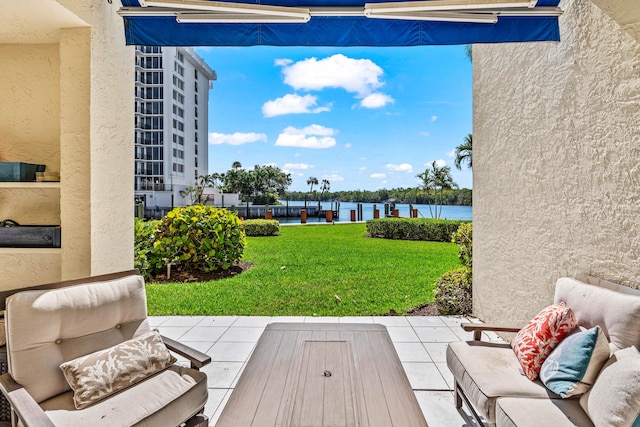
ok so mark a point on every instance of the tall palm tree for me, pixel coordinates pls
(311, 182)
(325, 186)
(464, 153)
(236, 165)
(436, 179)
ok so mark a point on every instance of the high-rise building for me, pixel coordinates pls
(171, 124)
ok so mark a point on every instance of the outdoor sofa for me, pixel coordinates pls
(82, 353)
(489, 379)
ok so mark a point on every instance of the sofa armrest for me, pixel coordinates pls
(27, 409)
(478, 328)
(197, 359)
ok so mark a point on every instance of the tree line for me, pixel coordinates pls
(268, 184)
(460, 196)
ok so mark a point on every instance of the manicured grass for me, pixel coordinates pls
(370, 276)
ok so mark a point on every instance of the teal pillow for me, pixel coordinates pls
(573, 366)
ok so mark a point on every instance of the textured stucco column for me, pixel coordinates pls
(75, 150)
(97, 143)
(556, 163)
(112, 141)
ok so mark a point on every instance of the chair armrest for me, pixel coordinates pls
(478, 328)
(28, 410)
(197, 359)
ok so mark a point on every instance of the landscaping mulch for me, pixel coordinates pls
(186, 276)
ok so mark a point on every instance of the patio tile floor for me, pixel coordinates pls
(420, 342)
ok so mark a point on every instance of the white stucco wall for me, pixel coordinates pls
(112, 141)
(556, 163)
(69, 104)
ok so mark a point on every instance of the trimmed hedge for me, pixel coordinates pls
(261, 227)
(453, 293)
(435, 230)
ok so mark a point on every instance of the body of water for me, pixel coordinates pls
(448, 212)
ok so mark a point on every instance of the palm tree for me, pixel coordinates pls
(324, 187)
(311, 182)
(464, 152)
(436, 179)
(236, 165)
(468, 50)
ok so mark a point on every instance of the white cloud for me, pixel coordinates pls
(334, 177)
(314, 136)
(347, 145)
(293, 104)
(295, 166)
(236, 138)
(451, 153)
(283, 62)
(440, 163)
(404, 167)
(362, 169)
(361, 76)
(378, 175)
(434, 118)
(376, 100)
(425, 134)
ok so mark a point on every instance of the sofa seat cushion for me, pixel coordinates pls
(532, 412)
(486, 371)
(165, 399)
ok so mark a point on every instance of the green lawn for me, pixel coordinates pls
(370, 276)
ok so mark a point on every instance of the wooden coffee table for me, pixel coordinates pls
(319, 374)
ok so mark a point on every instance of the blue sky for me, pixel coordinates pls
(363, 118)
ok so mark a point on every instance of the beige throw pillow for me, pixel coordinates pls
(614, 399)
(98, 375)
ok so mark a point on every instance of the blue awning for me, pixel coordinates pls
(336, 30)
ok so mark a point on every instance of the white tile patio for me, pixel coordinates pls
(420, 342)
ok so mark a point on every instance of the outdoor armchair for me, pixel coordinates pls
(117, 371)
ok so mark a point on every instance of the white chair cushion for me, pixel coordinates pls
(161, 400)
(47, 328)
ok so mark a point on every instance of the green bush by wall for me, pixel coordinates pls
(429, 229)
(201, 238)
(261, 227)
(146, 260)
(453, 292)
(463, 237)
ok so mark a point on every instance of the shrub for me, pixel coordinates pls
(453, 292)
(145, 257)
(261, 227)
(463, 238)
(436, 230)
(201, 238)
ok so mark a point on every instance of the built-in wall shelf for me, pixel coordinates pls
(30, 184)
(28, 251)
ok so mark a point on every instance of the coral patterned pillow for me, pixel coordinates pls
(542, 334)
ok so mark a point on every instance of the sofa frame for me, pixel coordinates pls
(27, 410)
(461, 397)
